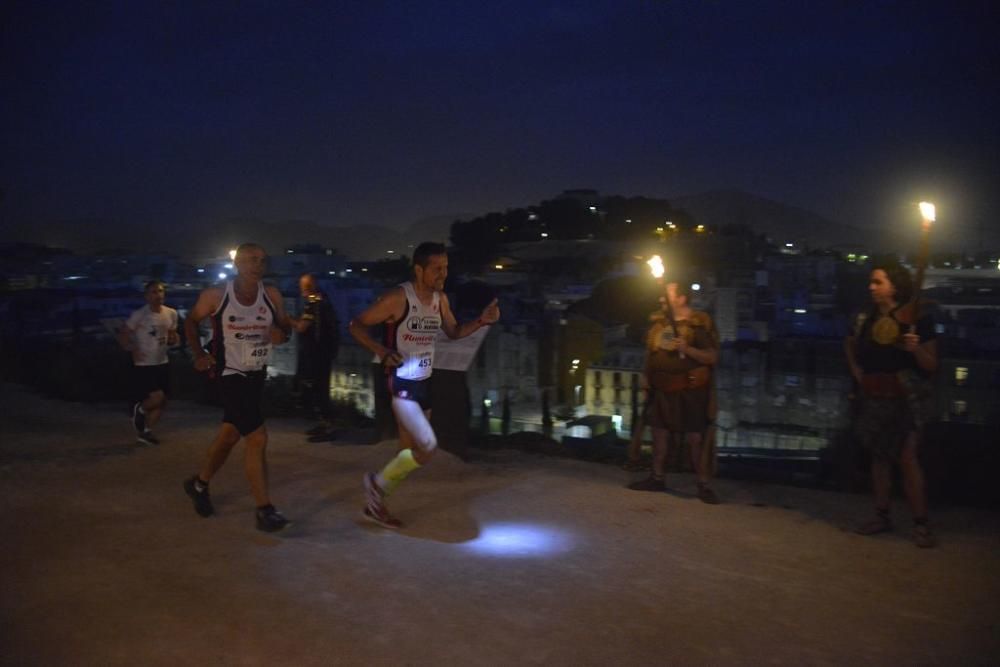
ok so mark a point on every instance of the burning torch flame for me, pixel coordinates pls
(928, 211)
(655, 266)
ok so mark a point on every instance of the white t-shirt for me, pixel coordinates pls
(149, 331)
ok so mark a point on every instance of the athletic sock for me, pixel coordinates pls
(396, 470)
(199, 485)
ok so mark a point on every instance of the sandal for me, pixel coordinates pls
(879, 524)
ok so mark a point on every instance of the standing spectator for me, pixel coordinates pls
(891, 369)
(681, 349)
(147, 334)
(318, 337)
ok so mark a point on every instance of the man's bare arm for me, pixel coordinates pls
(208, 302)
(452, 329)
(283, 323)
(387, 308)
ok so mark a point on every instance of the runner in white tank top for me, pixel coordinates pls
(412, 312)
(413, 336)
(247, 318)
(244, 331)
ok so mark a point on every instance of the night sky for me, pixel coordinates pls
(183, 113)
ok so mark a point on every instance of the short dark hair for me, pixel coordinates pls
(152, 283)
(426, 250)
(243, 247)
(900, 278)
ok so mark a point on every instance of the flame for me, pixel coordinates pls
(655, 266)
(928, 211)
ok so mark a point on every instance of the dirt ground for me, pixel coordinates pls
(509, 560)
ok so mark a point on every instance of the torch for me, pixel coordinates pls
(655, 264)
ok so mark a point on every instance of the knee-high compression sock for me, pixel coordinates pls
(396, 470)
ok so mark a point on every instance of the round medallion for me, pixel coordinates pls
(885, 331)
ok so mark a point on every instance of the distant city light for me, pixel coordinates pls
(699, 228)
(290, 251)
(74, 277)
(222, 276)
(201, 270)
(593, 209)
(498, 266)
(800, 311)
(487, 402)
(616, 420)
(232, 255)
(789, 245)
(545, 235)
(228, 266)
(364, 270)
(390, 252)
(628, 221)
(576, 362)
(331, 272)
(350, 270)
(696, 286)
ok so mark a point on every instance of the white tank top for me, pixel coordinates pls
(244, 332)
(414, 335)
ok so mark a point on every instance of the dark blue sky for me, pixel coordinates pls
(385, 112)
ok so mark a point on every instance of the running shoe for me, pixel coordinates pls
(147, 438)
(636, 466)
(375, 509)
(202, 501)
(138, 418)
(271, 520)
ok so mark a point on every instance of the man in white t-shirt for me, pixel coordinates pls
(147, 334)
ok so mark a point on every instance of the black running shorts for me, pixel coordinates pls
(241, 396)
(411, 390)
(147, 379)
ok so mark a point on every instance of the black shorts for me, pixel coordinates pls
(241, 396)
(411, 390)
(147, 379)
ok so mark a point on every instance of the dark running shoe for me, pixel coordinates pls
(375, 509)
(648, 484)
(147, 438)
(271, 520)
(138, 418)
(202, 501)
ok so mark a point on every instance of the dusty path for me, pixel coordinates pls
(516, 560)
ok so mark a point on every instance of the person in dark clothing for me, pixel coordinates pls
(318, 338)
(891, 352)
